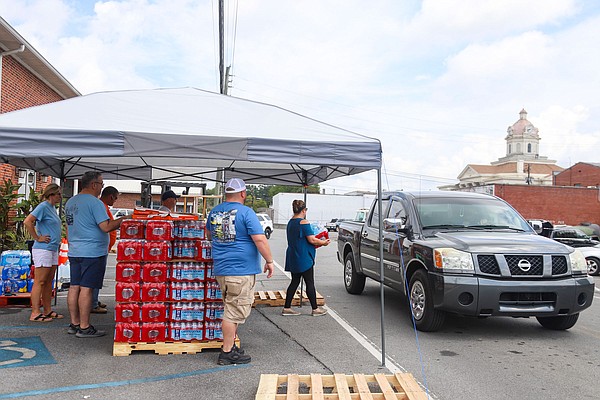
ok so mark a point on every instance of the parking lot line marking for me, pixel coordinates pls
(119, 383)
(391, 365)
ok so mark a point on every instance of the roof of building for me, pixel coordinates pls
(523, 127)
(534, 168)
(10, 39)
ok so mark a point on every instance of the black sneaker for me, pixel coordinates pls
(238, 349)
(72, 329)
(233, 357)
(88, 332)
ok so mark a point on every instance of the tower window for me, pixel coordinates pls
(529, 147)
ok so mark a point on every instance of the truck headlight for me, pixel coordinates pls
(453, 260)
(578, 263)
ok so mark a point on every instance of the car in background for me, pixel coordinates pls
(572, 236)
(592, 257)
(332, 225)
(266, 223)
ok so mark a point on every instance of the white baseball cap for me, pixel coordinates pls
(235, 185)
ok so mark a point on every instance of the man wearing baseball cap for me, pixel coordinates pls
(168, 200)
(238, 241)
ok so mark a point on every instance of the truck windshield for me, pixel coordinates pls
(468, 213)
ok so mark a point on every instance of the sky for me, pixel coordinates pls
(438, 82)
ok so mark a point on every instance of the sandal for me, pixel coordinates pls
(54, 315)
(41, 318)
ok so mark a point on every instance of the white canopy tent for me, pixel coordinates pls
(181, 133)
(185, 134)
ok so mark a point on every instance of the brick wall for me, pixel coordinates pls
(580, 174)
(558, 204)
(22, 89)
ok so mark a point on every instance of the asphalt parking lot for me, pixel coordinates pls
(40, 360)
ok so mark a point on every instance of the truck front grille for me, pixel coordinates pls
(531, 266)
(525, 265)
(559, 265)
(488, 264)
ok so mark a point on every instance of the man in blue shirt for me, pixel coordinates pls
(87, 229)
(238, 241)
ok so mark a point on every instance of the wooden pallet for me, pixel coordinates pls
(19, 299)
(339, 387)
(276, 298)
(165, 348)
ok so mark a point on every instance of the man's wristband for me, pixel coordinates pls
(269, 262)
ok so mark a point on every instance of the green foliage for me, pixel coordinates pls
(273, 190)
(8, 197)
(24, 208)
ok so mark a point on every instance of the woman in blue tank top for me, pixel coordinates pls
(300, 258)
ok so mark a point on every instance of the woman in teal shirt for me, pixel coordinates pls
(300, 258)
(43, 224)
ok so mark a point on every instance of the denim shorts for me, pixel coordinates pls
(88, 271)
(238, 296)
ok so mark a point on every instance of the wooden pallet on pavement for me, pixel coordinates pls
(165, 348)
(339, 387)
(19, 299)
(276, 298)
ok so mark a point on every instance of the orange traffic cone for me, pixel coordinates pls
(63, 253)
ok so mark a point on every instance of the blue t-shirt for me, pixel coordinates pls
(83, 214)
(47, 223)
(300, 254)
(233, 251)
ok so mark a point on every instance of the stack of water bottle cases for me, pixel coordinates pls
(15, 266)
(165, 288)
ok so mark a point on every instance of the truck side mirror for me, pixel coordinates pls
(537, 226)
(394, 225)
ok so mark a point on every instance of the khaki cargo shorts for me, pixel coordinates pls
(238, 296)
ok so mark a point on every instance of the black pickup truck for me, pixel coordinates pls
(465, 253)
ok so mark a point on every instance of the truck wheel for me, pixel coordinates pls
(559, 323)
(593, 264)
(427, 318)
(268, 233)
(353, 280)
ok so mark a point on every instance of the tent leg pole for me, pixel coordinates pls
(381, 270)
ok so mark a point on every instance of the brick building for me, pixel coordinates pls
(581, 174)
(26, 79)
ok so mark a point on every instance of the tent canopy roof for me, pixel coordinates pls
(184, 133)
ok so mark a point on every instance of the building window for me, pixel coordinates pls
(529, 147)
(509, 148)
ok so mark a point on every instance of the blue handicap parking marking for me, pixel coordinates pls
(24, 352)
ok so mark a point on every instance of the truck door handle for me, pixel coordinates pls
(365, 234)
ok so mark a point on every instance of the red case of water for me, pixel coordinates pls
(128, 272)
(154, 291)
(129, 250)
(127, 292)
(127, 332)
(154, 272)
(157, 251)
(154, 312)
(159, 230)
(132, 229)
(154, 332)
(127, 312)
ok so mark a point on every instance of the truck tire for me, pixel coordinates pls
(268, 233)
(593, 264)
(427, 318)
(559, 323)
(353, 280)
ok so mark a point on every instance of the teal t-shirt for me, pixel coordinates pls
(47, 223)
(83, 214)
(234, 253)
(300, 254)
